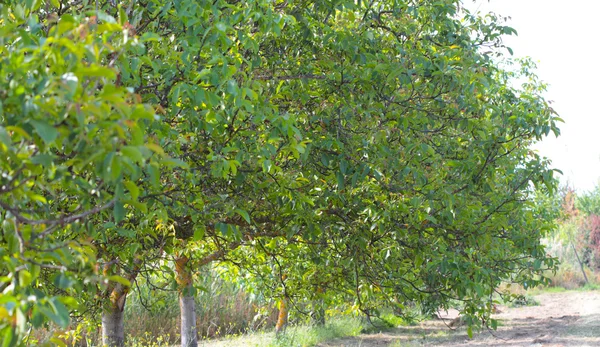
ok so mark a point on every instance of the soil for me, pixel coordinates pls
(561, 319)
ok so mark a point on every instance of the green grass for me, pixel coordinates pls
(392, 320)
(148, 340)
(590, 286)
(545, 290)
(305, 336)
(559, 289)
(550, 290)
(294, 336)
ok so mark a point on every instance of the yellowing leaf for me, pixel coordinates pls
(156, 149)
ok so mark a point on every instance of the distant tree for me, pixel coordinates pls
(589, 202)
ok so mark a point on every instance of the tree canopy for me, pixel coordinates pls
(379, 151)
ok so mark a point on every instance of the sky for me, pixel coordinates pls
(563, 38)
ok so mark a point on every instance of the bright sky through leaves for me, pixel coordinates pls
(561, 37)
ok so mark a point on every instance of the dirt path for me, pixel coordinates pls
(561, 319)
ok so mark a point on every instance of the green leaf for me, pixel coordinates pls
(340, 180)
(25, 278)
(127, 233)
(170, 163)
(470, 331)
(137, 135)
(221, 27)
(198, 234)
(154, 172)
(104, 17)
(43, 159)
(46, 131)
(150, 36)
(5, 137)
(142, 207)
(223, 228)
(244, 214)
(37, 318)
(61, 312)
(494, 324)
(95, 71)
(118, 211)
(57, 312)
(266, 165)
(133, 189)
(9, 338)
(63, 281)
(133, 153)
(344, 166)
(71, 82)
(115, 167)
(120, 280)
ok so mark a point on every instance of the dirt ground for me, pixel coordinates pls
(561, 319)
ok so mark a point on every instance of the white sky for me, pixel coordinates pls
(563, 38)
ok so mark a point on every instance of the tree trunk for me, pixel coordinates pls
(189, 333)
(113, 332)
(113, 329)
(282, 318)
(187, 305)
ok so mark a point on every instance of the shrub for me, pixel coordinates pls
(567, 277)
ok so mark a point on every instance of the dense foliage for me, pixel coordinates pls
(340, 151)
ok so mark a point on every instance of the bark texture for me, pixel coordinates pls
(113, 329)
(187, 306)
(189, 333)
(113, 332)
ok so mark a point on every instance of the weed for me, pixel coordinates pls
(591, 286)
(149, 340)
(523, 300)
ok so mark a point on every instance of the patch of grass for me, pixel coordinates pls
(590, 286)
(148, 340)
(305, 336)
(393, 320)
(543, 290)
(550, 290)
(294, 336)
